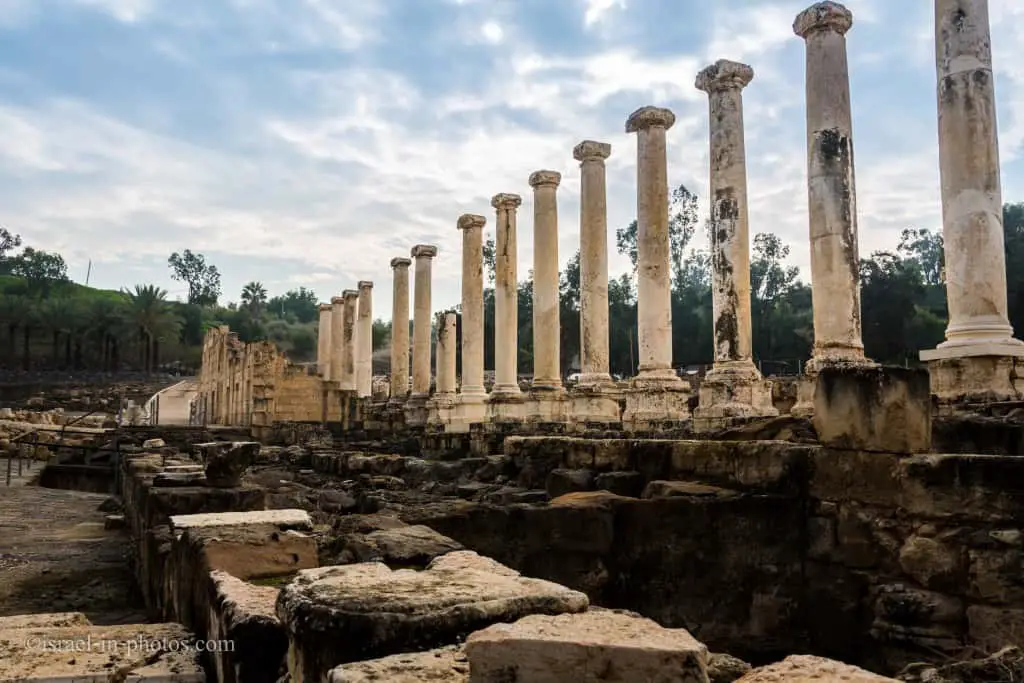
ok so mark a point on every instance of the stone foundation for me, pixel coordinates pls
(976, 379)
(652, 403)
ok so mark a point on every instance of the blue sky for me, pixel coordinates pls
(307, 142)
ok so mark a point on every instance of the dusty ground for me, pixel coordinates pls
(55, 555)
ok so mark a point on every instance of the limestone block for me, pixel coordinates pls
(244, 614)
(51, 619)
(407, 546)
(153, 444)
(335, 615)
(444, 665)
(931, 562)
(873, 409)
(685, 489)
(593, 646)
(810, 669)
(255, 551)
(723, 668)
(282, 519)
(904, 614)
(648, 404)
(98, 654)
(226, 463)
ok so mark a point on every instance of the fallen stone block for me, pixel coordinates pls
(723, 668)
(599, 645)
(180, 479)
(282, 519)
(685, 489)
(243, 614)
(99, 654)
(810, 669)
(253, 551)
(45, 620)
(153, 444)
(336, 615)
(444, 665)
(227, 462)
(410, 546)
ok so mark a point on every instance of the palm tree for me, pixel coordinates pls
(56, 314)
(150, 314)
(254, 297)
(108, 320)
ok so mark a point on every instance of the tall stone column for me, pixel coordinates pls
(472, 227)
(400, 328)
(977, 358)
(733, 388)
(654, 287)
(348, 339)
(423, 254)
(593, 262)
(506, 297)
(323, 343)
(364, 340)
(835, 261)
(337, 337)
(547, 369)
(445, 356)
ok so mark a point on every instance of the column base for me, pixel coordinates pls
(595, 380)
(548, 405)
(470, 409)
(597, 403)
(416, 411)
(732, 391)
(806, 385)
(506, 406)
(652, 401)
(985, 372)
(441, 409)
(505, 390)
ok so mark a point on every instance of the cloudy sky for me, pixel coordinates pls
(307, 142)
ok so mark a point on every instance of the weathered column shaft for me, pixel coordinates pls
(423, 255)
(337, 339)
(445, 353)
(654, 286)
(323, 343)
(506, 296)
(730, 232)
(348, 339)
(400, 328)
(364, 340)
(972, 198)
(472, 227)
(547, 371)
(594, 354)
(832, 196)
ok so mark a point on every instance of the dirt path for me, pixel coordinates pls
(55, 555)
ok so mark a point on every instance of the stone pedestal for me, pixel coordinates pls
(596, 403)
(980, 358)
(400, 329)
(727, 394)
(506, 297)
(650, 404)
(364, 340)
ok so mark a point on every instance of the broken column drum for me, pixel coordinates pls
(364, 340)
(506, 297)
(323, 343)
(423, 254)
(348, 339)
(337, 337)
(400, 328)
(547, 371)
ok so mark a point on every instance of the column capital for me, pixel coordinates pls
(468, 221)
(823, 16)
(337, 300)
(647, 117)
(349, 294)
(505, 200)
(324, 308)
(400, 262)
(424, 250)
(724, 75)
(365, 284)
(589, 150)
(539, 178)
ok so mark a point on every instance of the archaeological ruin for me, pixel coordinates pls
(321, 522)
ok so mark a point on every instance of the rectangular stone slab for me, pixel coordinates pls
(444, 665)
(598, 645)
(284, 519)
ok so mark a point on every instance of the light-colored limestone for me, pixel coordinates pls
(423, 254)
(445, 363)
(832, 196)
(594, 356)
(350, 313)
(472, 227)
(364, 340)
(734, 387)
(979, 331)
(46, 620)
(400, 329)
(810, 669)
(284, 519)
(323, 343)
(506, 297)
(444, 665)
(337, 335)
(547, 371)
(594, 645)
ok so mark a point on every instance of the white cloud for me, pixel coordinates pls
(597, 10)
(492, 32)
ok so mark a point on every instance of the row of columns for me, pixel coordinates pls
(972, 214)
(345, 341)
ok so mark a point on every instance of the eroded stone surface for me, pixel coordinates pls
(227, 462)
(592, 646)
(52, 619)
(444, 665)
(284, 519)
(810, 669)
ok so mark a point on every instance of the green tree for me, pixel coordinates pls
(40, 270)
(569, 313)
(254, 297)
(8, 242)
(297, 304)
(490, 260)
(203, 280)
(381, 334)
(151, 316)
(890, 288)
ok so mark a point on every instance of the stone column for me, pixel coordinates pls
(348, 339)
(547, 367)
(400, 329)
(423, 254)
(972, 201)
(323, 343)
(472, 227)
(654, 287)
(445, 356)
(364, 340)
(593, 262)
(337, 337)
(506, 297)
(835, 261)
